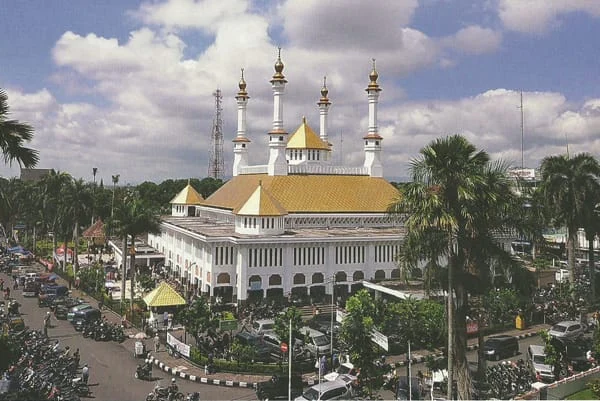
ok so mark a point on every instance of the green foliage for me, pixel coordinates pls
(500, 306)
(596, 341)
(243, 353)
(8, 353)
(198, 319)
(282, 324)
(552, 354)
(355, 333)
(247, 367)
(594, 385)
(146, 282)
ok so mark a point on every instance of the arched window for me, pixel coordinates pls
(275, 279)
(395, 273)
(340, 276)
(380, 275)
(358, 275)
(299, 278)
(223, 278)
(256, 280)
(317, 278)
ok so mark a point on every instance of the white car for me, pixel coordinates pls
(346, 369)
(568, 329)
(335, 390)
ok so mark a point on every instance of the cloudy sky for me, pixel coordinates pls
(126, 86)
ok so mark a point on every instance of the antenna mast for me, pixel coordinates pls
(522, 134)
(216, 164)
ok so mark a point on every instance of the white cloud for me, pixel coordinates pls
(538, 16)
(474, 40)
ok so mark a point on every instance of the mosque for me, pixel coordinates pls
(298, 225)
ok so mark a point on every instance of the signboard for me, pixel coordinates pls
(181, 347)
(380, 339)
(339, 315)
(228, 325)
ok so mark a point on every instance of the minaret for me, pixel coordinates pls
(373, 139)
(277, 137)
(324, 104)
(241, 142)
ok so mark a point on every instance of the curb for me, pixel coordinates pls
(198, 379)
(473, 347)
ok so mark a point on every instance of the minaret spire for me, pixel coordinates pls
(324, 104)
(278, 136)
(373, 140)
(241, 142)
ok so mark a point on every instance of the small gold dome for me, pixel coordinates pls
(324, 90)
(373, 75)
(242, 84)
(278, 76)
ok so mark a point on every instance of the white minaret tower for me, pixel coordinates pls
(278, 137)
(241, 142)
(373, 139)
(324, 104)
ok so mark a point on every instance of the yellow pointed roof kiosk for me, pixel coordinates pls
(162, 297)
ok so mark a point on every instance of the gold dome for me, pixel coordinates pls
(242, 84)
(374, 75)
(324, 90)
(278, 76)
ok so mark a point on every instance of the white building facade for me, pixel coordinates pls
(298, 225)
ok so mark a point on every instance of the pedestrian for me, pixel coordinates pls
(1, 284)
(70, 282)
(170, 321)
(165, 319)
(85, 373)
(77, 282)
(76, 357)
(46, 323)
(323, 366)
(101, 303)
(156, 343)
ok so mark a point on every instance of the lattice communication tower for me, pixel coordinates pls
(216, 164)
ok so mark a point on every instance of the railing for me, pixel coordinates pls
(322, 169)
(260, 169)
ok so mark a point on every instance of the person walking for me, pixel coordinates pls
(156, 343)
(165, 319)
(46, 323)
(85, 373)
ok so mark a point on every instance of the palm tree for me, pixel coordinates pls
(458, 199)
(591, 226)
(78, 202)
(566, 185)
(52, 187)
(13, 135)
(132, 218)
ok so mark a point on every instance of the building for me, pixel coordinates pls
(297, 225)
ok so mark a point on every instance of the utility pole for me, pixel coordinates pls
(216, 164)
(522, 134)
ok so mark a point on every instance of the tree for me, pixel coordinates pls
(13, 135)
(458, 201)
(566, 187)
(282, 325)
(591, 226)
(52, 187)
(78, 204)
(355, 333)
(197, 318)
(132, 218)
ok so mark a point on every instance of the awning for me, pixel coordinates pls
(163, 295)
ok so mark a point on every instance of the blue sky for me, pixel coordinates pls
(126, 86)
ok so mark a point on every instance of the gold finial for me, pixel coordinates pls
(373, 75)
(260, 183)
(278, 66)
(242, 83)
(324, 90)
(189, 181)
(303, 119)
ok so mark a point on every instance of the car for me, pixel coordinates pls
(568, 329)
(345, 368)
(536, 358)
(575, 352)
(263, 351)
(501, 346)
(277, 387)
(335, 390)
(85, 316)
(316, 343)
(31, 289)
(75, 309)
(261, 326)
(48, 293)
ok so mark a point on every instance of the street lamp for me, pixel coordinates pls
(94, 171)
(115, 181)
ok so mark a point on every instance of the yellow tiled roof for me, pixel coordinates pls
(310, 193)
(306, 138)
(261, 203)
(163, 295)
(188, 196)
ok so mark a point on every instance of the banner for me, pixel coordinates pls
(177, 345)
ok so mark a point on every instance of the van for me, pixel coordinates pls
(261, 326)
(335, 390)
(263, 351)
(502, 346)
(48, 293)
(315, 342)
(85, 316)
(536, 358)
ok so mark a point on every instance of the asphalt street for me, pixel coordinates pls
(112, 365)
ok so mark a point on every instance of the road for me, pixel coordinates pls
(112, 365)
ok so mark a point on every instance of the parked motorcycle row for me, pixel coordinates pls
(508, 379)
(42, 371)
(102, 330)
(171, 393)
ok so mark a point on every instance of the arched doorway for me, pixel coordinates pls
(395, 274)
(255, 291)
(358, 276)
(379, 275)
(341, 277)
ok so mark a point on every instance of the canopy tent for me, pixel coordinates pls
(163, 295)
(95, 232)
(19, 250)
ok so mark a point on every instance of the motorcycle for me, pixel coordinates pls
(195, 396)
(143, 372)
